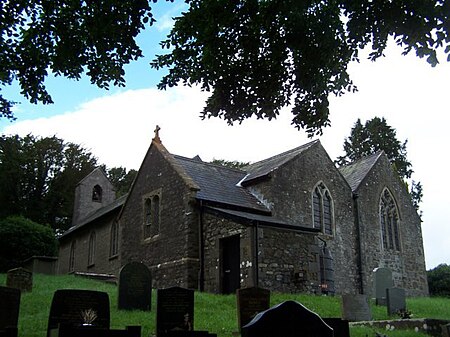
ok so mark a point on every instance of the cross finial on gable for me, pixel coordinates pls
(156, 138)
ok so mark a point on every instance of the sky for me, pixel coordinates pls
(117, 125)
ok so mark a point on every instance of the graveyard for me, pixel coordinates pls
(216, 314)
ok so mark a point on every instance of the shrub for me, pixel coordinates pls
(21, 238)
(439, 280)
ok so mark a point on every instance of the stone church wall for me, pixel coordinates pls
(408, 264)
(171, 252)
(103, 262)
(289, 195)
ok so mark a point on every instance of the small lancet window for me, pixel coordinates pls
(97, 193)
(72, 257)
(322, 209)
(114, 240)
(91, 249)
(389, 222)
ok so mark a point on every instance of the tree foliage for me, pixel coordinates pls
(67, 38)
(376, 135)
(439, 280)
(121, 179)
(21, 238)
(38, 178)
(231, 164)
(256, 57)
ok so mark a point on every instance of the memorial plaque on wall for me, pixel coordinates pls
(73, 307)
(174, 310)
(135, 287)
(250, 302)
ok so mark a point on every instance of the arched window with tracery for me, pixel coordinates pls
(389, 221)
(322, 204)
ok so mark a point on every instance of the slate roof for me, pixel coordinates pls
(266, 166)
(116, 204)
(355, 172)
(219, 184)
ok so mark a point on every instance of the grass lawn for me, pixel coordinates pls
(215, 313)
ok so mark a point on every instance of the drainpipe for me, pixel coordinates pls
(359, 243)
(201, 279)
(256, 273)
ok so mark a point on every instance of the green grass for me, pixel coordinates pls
(214, 313)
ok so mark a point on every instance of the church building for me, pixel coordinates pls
(290, 223)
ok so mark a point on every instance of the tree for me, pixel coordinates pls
(121, 179)
(38, 178)
(439, 280)
(21, 238)
(257, 57)
(376, 135)
(231, 164)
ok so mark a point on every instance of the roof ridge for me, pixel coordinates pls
(208, 163)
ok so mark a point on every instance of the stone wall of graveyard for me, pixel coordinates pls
(171, 251)
(408, 264)
(104, 263)
(289, 192)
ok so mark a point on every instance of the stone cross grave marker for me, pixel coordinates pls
(287, 319)
(20, 278)
(250, 302)
(174, 310)
(135, 287)
(9, 310)
(382, 280)
(73, 307)
(395, 300)
(355, 307)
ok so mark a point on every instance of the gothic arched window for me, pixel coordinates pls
(322, 209)
(114, 239)
(72, 257)
(389, 221)
(151, 215)
(91, 249)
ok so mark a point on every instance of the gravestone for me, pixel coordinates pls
(287, 319)
(445, 330)
(340, 326)
(382, 280)
(9, 310)
(355, 308)
(250, 302)
(396, 300)
(135, 287)
(174, 310)
(73, 307)
(20, 278)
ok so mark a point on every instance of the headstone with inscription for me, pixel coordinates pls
(174, 310)
(250, 302)
(9, 311)
(20, 278)
(356, 308)
(287, 319)
(395, 300)
(135, 287)
(382, 280)
(74, 308)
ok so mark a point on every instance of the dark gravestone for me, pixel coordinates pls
(382, 279)
(340, 326)
(20, 278)
(396, 300)
(355, 308)
(445, 330)
(9, 311)
(174, 310)
(250, 302)
(73, 308)
(288, 319)
(135, 287)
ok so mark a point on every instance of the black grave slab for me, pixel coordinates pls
(174, 310)
(135, 287)
(69, 305)
(250, 302)
(340, 326)
(287, 319)
(9, 311)
(178, 333)
(92, 331)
